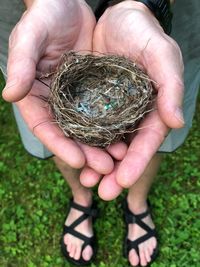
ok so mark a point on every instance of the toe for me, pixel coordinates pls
(148, 253)
(72, 251)
(77, 253)
(65, 239)
(154, 243)
(152, 247)
(87, 253)
(68, 248)
(67, 243)
(133, 258)
(143, 261)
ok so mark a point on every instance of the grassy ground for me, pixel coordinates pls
(34, 198)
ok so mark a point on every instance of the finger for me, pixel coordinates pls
(165, 66)
(118, 150)
(97, 159)
(61, 146)
(109, 189)
(37, 116)
(89, 177)
(25, 47)
(142, 148)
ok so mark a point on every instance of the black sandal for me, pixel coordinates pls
(130, 218)
(91, 241)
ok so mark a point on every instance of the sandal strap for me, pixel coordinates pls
(131, 218)
(79, 220)
(87, 212)
(135, 244)
(143, 225)
(90, 211)
(87, 240)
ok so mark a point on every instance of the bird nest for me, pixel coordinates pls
(97, 99)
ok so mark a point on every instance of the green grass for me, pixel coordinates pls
(34, 198)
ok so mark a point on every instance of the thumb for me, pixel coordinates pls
(170, 100)
(165, 67)
(24, 50)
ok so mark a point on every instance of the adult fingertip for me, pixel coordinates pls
(179, 116)
(123, 181)
(78, 162)
(8, 89)
(173, 117)
(108, 194)
(21, 74)
(97, 159)
(107, 167)
(109, 189)
(89, 177)
(118, 150)
(17, 88)
(170, 101)
(124, 175)
(102, 165)
(12, 94)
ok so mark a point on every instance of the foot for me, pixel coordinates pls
(147, 247)
(74, 244)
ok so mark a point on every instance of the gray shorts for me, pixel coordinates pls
(186, 25)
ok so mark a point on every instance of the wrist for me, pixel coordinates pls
(120, 4)
(159, 8)
(28, 3)
(162, 11)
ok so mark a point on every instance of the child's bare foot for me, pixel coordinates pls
(138, 229)
(72, 242)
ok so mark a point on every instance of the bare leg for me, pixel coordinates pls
(82, 196)
(137, 198)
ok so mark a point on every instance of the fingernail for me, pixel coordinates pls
(179, 115)
(10, 84)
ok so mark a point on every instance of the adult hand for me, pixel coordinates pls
(130, 29)
(45, 31)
